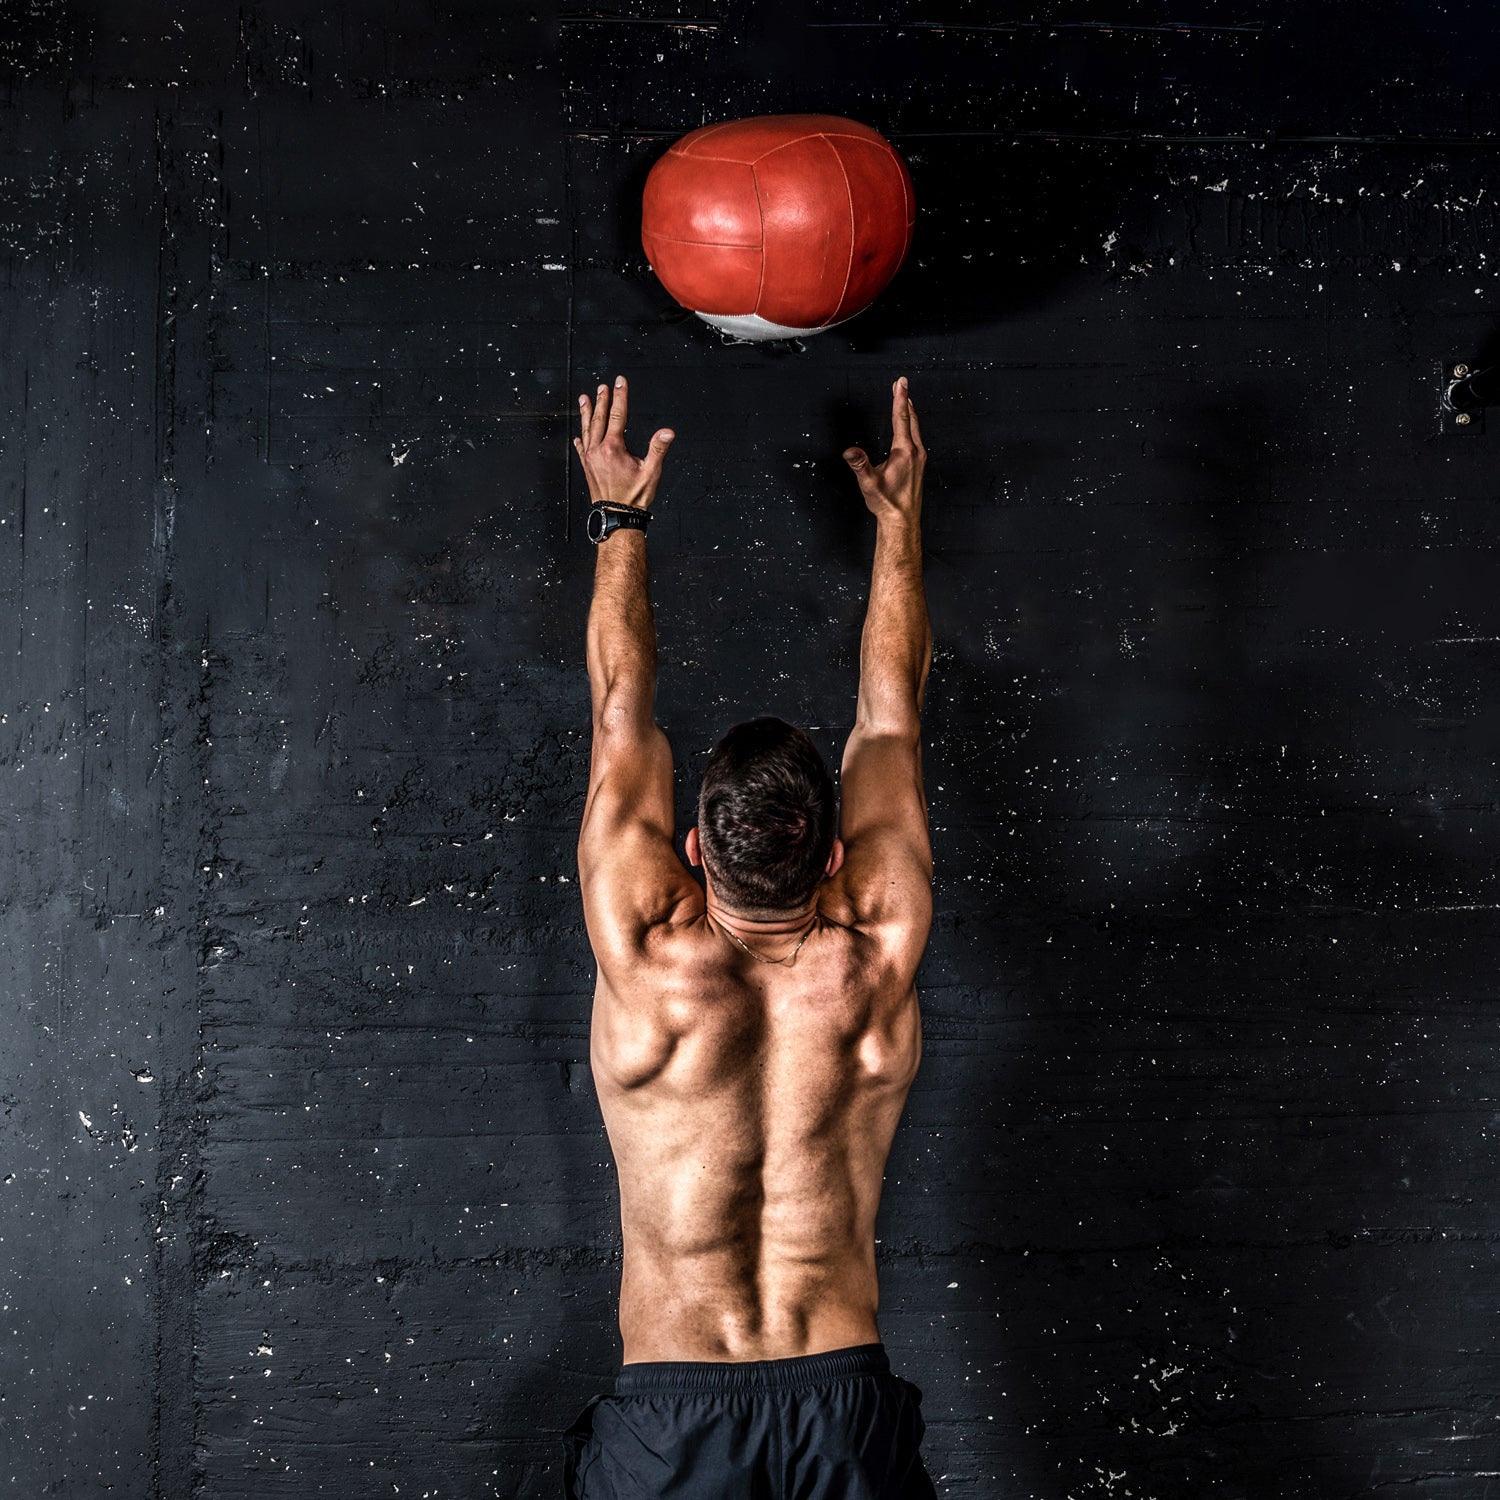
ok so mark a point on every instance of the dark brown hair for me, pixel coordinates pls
(766, 816)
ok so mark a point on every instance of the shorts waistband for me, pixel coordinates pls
(713, 1376)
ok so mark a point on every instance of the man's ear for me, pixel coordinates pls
(835, 858)
(692, 848)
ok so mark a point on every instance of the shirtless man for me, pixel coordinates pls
(754, 1037)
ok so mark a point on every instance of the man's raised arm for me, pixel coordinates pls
(628, 870)
(887, 873)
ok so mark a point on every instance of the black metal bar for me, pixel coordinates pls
(1472, 388)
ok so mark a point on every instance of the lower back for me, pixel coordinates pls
(732, 1306)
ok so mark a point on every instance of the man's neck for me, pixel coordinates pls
(761, 924)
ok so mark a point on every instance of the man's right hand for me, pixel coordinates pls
(615, 475)
(894, 488)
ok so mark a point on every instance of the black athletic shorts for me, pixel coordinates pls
(834, 1426)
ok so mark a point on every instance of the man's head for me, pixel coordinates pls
(767, 820)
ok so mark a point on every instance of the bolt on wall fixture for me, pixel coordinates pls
(1466, 393)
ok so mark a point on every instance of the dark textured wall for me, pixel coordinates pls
(302, 1184)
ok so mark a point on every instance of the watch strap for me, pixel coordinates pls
(606, 518)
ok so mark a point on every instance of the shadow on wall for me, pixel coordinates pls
(1003, 227)
(1164, 1174)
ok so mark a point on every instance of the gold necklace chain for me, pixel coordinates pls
(761, 956)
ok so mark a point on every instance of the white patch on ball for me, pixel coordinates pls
(755, 329)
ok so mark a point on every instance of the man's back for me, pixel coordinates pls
(751, 1108)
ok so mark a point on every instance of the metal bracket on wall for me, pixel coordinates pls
(1466, 393)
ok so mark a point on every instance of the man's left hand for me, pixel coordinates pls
(615, 475)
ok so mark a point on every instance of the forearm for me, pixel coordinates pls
(621, 631)
(896, 648)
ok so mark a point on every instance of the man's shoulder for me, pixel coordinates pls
(883, 934)
(627, 935)
(656, 961)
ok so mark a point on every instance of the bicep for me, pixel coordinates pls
(887, 871)
(628, 869)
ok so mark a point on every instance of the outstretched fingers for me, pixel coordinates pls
(900, 414)
(618, 404)
(598, 418)
(656, 449)
(859, 461)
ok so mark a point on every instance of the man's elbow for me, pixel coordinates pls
(897, 719)
(900, 728)
(892, 707)
(622, 715)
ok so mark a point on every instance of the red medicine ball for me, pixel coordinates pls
(780, 224)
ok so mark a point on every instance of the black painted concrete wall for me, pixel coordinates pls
(302, 1184)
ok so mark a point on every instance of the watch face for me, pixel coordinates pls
(605, 522)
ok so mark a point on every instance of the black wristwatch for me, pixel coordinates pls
(605, 519)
